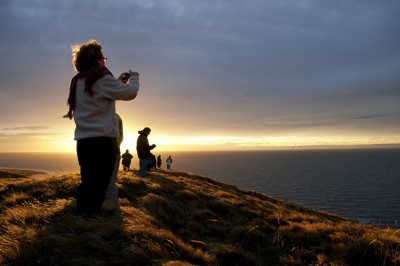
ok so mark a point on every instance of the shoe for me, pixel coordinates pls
(110, 205)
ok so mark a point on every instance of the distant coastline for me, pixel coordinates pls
(20, 173)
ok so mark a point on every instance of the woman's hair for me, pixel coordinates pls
(86, 55)
(85, 59)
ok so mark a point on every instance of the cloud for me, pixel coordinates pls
(28, 134)
(264, 67)
(34, 128)
(373, 116)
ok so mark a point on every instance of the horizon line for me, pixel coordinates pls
(277, 148)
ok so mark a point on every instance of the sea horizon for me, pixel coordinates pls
(361, 184)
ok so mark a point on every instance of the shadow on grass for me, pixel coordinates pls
(40, 226)
(210, 215)
(175, 218)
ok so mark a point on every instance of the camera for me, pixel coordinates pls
(125, 76)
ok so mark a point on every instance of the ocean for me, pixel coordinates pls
(360, 184)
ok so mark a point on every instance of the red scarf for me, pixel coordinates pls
(90, 76)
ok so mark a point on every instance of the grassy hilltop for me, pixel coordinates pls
(175, 218)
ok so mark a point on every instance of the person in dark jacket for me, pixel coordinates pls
(159, 161)
(126, 160)
(151, 163)
(143, 150)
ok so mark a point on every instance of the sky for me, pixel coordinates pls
(215, 75)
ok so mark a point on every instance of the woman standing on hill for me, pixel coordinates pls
(91, 101)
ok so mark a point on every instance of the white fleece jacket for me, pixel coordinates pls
(95, 115)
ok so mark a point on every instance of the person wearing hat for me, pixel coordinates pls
(143, 150)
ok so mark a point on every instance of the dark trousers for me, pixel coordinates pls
(96, 158)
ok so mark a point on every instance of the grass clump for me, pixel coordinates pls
(175, 218)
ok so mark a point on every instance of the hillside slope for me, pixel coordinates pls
(176, 218)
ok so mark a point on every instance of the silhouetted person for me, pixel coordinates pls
(169, 162)
(126, 160)
(92, 95)
(159, 161)
(111, 195)
(143, 150)
(151, 162)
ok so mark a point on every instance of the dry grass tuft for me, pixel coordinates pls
(173, 218)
